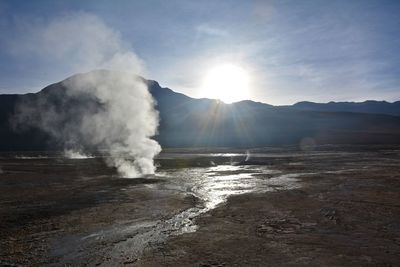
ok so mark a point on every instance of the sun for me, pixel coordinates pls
(227, 82)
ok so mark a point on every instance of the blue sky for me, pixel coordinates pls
(293, 50)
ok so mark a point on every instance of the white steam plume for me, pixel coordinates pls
(248, 155)
(124, 123)
(75, 154)
(119, 115)
(76, 42)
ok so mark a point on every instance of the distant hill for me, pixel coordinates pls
(188, 122)
(370, 106)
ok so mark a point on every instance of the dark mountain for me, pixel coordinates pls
(187, 122)
(370, 106)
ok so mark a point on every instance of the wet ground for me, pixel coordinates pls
(333, 206)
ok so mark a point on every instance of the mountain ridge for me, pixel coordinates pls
(316, 106)
(191, 122)
(368, 106)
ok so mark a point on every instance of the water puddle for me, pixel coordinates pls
(212, 186)
(215, 184)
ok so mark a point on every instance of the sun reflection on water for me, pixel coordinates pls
(213, 185)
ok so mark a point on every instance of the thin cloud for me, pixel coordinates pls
(205, 29)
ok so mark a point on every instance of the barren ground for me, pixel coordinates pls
(339, 206)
